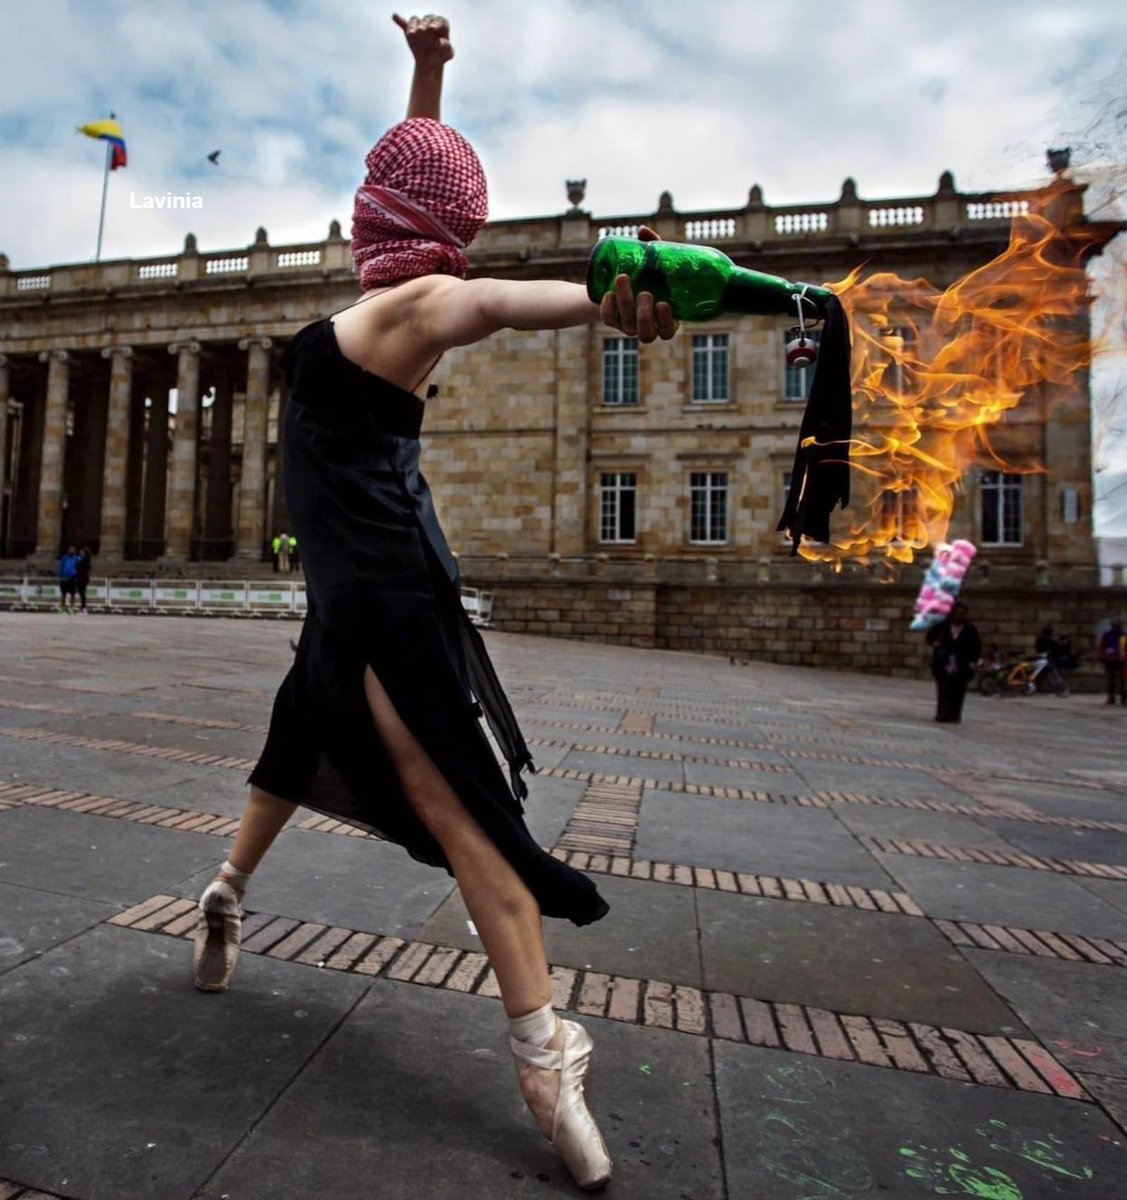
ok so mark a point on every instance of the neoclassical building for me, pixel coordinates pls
(141, 400)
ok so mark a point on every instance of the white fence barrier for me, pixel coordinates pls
(207, 597)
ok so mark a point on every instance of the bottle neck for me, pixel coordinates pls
(765, 295)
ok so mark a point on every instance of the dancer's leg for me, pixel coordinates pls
(264, 816)
(218, 931)
(503, 909)
(552, 1056)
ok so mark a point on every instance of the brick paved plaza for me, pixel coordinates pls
(850, 953)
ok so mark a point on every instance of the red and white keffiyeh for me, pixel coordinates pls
(423, 201)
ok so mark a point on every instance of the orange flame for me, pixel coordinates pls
(934, 372)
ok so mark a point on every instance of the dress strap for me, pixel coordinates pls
(431, 391)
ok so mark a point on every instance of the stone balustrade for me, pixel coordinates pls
(947, 212)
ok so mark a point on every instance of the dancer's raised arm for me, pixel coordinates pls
(429, 40)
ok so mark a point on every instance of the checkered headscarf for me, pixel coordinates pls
(422, 202)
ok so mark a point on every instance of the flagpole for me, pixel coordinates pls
(102, 217)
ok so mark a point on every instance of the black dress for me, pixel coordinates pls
(383, 591)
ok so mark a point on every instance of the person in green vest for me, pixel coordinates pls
(276, 551)
(295, 557)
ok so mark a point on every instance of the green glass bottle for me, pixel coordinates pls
(699, 282)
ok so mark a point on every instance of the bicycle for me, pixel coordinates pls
(1025, 677)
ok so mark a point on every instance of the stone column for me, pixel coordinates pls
(279, 514)
(4, 393)
(50, 524)
(5, 491)
(111, 539)
(572, 423)
(252, 486)
(217, 526)
(180, 513)
(156, 470)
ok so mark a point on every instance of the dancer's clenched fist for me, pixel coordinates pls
(428, 37)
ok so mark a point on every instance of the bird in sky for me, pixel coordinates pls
(213, 157)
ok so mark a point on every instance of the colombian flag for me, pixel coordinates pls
(108, 131)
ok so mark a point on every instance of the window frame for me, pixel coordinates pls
(616, 490)
(713, 344)
(1012, 483)
(615, 353)
(709, 489)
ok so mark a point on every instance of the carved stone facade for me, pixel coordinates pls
(546, 447)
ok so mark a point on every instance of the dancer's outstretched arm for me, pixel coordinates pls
(429, 40)
(457, 312)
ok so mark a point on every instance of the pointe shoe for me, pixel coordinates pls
(551, 1082)
(217, 937)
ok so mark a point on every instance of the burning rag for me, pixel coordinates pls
(424, 199)
(820, 477)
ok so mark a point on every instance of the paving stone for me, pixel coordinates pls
(1111, 1094)
(167, 1080)
(1078, 1010)
(650, 932)
(360, 883)
(376, 1109)
(743, 835)
(876, 781)
(33, 920)
(716, 775)
(117, 862)
(705, 729)
(1052, 841)
(568, 715)
(1016, 896)
(795, 1128)
(1111, 891)
(615, 764)
(549, 805)
(845, 960)
(948, 829)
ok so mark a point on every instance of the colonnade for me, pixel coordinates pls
(90, 452)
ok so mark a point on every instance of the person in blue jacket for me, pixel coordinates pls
(68, 579)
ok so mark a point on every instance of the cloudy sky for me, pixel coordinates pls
(702, 99)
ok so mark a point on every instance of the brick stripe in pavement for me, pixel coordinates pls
(163, 752)
(1013, 1063)
(605, 820)
(609, 853)
(820, 799)
(16, 1191)
(1000, 858)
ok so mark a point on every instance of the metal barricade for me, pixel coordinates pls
(264, 597)
(183, 595)
(223, 596)
(129, 594)
(40, 592)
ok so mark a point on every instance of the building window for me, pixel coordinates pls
(898, 378)
(1001, 509)
(797, 380)
(900, 512)
(620, 371)
(619, 506)
(708, 508)
(1070, 505)
(710, 368)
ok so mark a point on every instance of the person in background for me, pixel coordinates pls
(82, 578)
(284, 552)
(295, 556)
(276, 550)
(68, 577)
(956, 648)
(1113, 654)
